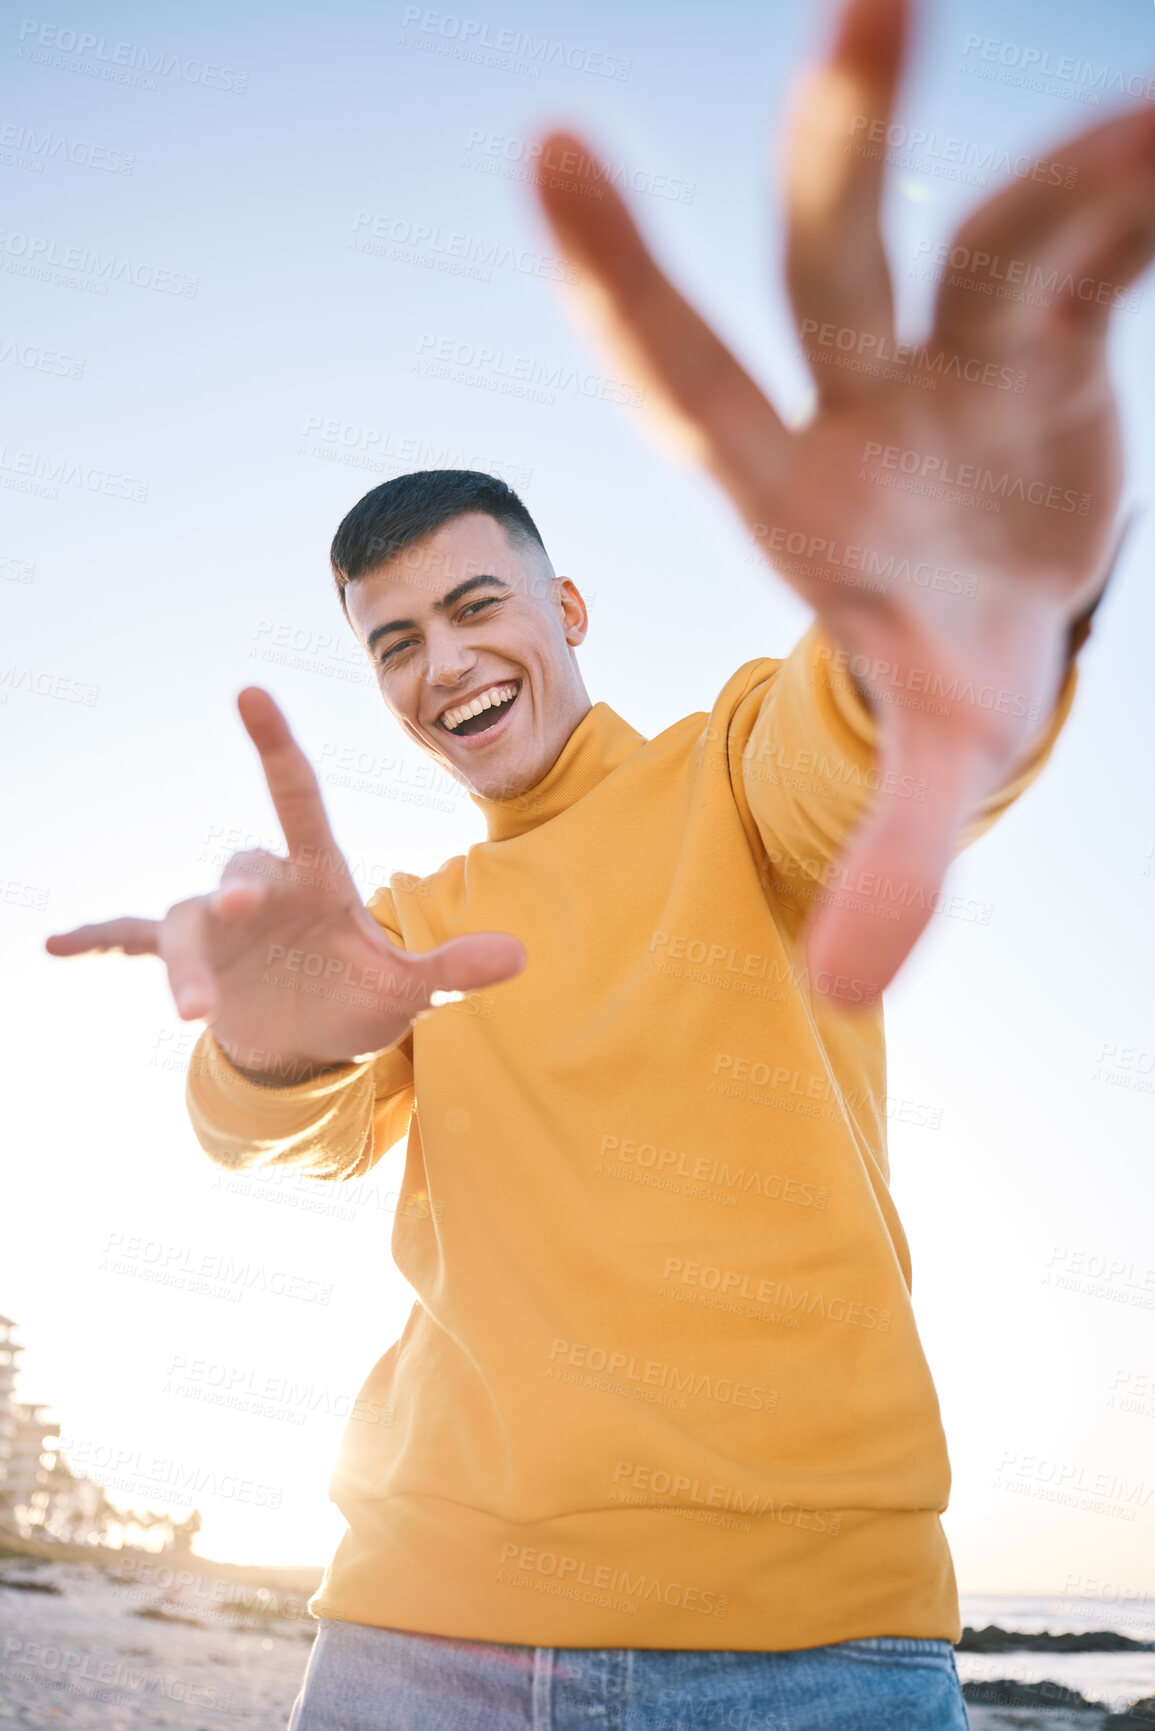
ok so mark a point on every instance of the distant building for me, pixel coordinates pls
(40, 1495)
(29, 1446)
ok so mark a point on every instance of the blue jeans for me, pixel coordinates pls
(367, 1679)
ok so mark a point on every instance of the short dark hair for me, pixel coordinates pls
(402, 511)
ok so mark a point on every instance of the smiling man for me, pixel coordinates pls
(466, 624)
(660, 1429)
(661, 1446)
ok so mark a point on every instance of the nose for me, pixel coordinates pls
(447, 672)
(447, 663)
(447, 669)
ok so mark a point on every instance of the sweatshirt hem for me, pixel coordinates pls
(638, 1580)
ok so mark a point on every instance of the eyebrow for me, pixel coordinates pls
(441, 606)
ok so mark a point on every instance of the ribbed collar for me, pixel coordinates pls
(600, 741)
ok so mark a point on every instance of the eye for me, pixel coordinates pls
(393, 648)
(486, 601)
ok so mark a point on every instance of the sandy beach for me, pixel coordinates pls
(147, 1648)
(144, 1644)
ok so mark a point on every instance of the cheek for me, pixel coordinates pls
(399, 693)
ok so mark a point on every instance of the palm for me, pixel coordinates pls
(305, 951)
(860, 473)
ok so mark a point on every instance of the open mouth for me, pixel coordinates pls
(488, 717)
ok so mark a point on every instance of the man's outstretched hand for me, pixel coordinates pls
(283, 960)
(1007, 401)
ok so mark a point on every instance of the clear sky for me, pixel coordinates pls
(234, 238)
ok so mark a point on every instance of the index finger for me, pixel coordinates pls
(704, 399)
(295, 791)
(134, 936)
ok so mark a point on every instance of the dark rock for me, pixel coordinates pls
(992, 1639)
(1140, 1716)
(1005, 1692)
(159, 1616)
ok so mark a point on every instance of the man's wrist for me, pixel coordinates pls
(274, 1070)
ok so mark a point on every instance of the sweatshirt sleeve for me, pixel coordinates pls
(336, 1126)
(809, 764)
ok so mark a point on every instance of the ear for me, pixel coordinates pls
(575, 614)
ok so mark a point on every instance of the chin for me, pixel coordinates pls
(503, 781)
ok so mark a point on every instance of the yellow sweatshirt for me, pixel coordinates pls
(662, 1384)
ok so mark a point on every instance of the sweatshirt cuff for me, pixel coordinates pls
(229, 1111)
(842, 714)
(845, 711)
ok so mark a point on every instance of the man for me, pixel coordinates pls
(664, 1446)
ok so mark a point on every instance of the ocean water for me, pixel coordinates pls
(1113, 1678)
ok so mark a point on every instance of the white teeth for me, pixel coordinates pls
(453, 718)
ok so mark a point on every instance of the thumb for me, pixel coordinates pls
(481, 959)
(882, 896)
